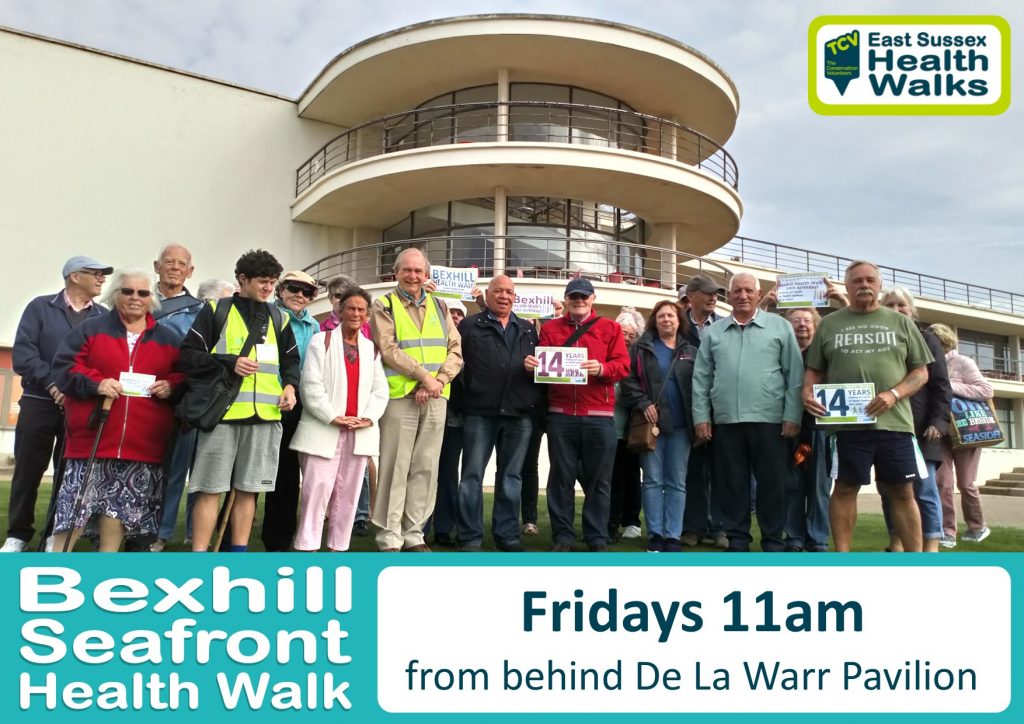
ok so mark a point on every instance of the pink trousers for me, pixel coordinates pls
(331, 487)
(964, 462)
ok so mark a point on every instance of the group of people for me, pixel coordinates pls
(387, 414)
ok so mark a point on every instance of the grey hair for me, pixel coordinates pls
(861, 262)
(903, 295)
(213, 289)
(410, 250)
(341, 284)
(174, 245)
(118, 278)
(735, 277)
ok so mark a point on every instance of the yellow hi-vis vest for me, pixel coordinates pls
(261, 391)
(428, 346)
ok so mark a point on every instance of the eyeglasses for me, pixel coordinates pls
(99, 274)
(300, 289)
(141, 293)
(578, 297)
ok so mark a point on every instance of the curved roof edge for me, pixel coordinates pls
(525, 16)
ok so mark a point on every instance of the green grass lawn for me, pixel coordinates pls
(870, 534)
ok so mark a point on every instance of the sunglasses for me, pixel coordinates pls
(93, 273)
(578, 296)
(141, 293)
(300, 289)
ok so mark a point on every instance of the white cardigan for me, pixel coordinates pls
(324, 393)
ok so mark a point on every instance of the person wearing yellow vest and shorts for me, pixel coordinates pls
(422, 353)
(242, 451)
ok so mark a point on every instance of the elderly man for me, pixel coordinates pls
(241, 453)
(421, 351)
(702, 519)
(40, 429)
(866, 342)
(178, 310)
(581, 425)
(498, 399)
(748, 376)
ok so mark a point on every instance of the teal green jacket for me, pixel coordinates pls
(748, 374)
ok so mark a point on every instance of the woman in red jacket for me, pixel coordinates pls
(126, 357)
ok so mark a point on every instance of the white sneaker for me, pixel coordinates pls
(631, 531)
(48, 548)
(976, 536)
(14, 545)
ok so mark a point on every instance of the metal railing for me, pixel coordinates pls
(524, 121)
(546, 257)
(794, 260)
(996, 368)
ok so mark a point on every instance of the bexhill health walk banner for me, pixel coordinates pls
(544, 637)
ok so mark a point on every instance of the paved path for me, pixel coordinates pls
(1000, 510)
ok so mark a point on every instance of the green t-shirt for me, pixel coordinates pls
(880, 347)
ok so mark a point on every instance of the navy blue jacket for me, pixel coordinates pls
(494, 381)
(44, 324)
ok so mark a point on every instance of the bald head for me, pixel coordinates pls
(501, 295)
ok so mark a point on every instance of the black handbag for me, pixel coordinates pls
(211, 392)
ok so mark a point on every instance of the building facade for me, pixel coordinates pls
(567, 146)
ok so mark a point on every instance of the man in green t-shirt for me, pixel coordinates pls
(869, 343)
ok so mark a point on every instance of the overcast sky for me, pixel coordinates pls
(938, 195)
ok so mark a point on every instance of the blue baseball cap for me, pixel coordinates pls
(84, 263)
(579, 286)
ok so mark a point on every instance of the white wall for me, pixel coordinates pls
(114, 159)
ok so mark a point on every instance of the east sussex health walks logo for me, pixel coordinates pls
(909, 65)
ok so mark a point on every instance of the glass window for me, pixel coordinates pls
(1007, 419)
(991, 352)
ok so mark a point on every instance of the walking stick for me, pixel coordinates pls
(224, 520)
(51, 509)
(103, 413)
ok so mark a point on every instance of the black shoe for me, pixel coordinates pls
(360, 528)
(597, 547)
(473, 547)
(444, 540)
(561, 548)
(655, 543)
(511, 546)
(672, 545)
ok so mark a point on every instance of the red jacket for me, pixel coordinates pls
(604, 343)
(138, 428)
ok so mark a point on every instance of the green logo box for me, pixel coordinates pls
(816, 75)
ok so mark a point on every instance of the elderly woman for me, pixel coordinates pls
(930, 407)
(660, 385)
(127, 357)
(344, 392)
(625, 497)
(296, 290)
(810, 486)
(967, 383)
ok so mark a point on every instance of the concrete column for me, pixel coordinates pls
(1014, 352)
(503, 96)
(663, 268)
(500, 228)
(1017, 437)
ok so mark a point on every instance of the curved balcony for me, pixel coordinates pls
(532, 257)
(522, 121)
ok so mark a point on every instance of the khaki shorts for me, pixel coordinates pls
(243, 457)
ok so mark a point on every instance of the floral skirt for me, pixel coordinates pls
(127, 490)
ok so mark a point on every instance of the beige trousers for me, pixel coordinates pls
(410, 445)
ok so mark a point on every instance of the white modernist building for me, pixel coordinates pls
(568, 146)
